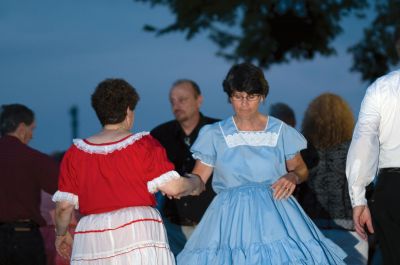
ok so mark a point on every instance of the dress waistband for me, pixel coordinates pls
(264, 184)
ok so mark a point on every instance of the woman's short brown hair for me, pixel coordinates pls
(245, 77)
(111, 99)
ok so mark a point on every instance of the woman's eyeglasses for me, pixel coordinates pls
(252, 97)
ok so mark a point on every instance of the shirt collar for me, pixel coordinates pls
(179, 131)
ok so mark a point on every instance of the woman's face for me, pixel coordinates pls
(244, 104)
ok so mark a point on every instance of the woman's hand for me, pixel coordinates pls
(63, 216)
(188, 186)
(297, 173)
(198, 184)
(285, 186)
(171, 188)
(183, 186)
(64, 245)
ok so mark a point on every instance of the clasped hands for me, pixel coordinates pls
(64, 245)
(183, 186)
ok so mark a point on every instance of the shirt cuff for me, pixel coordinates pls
(357, 196)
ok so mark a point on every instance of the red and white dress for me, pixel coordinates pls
(112, 185)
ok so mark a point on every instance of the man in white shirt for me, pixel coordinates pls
(375, 150)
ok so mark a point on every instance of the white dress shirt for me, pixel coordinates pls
(376, 137)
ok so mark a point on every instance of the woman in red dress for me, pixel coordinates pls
(111, 177)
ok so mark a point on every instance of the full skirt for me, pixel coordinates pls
(247, 226)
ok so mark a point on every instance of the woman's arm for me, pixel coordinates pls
(63, 238)
(204, 171)
(297, 166)
(297, 173)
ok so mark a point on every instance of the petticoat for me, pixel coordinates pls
(134, 235)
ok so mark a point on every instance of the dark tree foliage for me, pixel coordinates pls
(262, 31)
(376, 52)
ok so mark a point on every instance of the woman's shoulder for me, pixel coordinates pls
(276, 126)
(211, 128)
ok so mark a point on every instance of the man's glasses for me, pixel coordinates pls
(251, 97)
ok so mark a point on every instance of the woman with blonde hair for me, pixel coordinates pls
(328, 125)
(328, 121)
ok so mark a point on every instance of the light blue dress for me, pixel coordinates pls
(244, 224)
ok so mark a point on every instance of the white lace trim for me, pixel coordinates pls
(252, 138)
(66, 196)
(106, 149)
(152, 186)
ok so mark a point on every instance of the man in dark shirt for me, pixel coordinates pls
(177, 136)
(24, 172)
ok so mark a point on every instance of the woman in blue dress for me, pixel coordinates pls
(256, 165)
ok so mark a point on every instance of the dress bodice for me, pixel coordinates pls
(100, 178)
(242, 157)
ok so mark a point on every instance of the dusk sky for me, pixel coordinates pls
(54, 53)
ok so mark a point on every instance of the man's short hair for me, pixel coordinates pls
(12, 115)
(283, 112)
(196, 88)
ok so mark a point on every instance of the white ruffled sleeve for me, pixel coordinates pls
(66, 196)
(153, 185)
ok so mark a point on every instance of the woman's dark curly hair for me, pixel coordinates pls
(328, 121)
(111, 99)
(245, 77)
